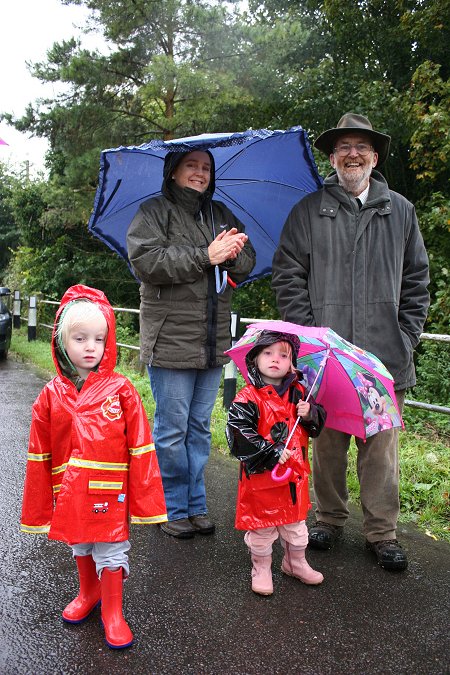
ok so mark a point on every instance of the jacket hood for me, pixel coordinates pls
(266, 338)
(75, 294)
(191, 199)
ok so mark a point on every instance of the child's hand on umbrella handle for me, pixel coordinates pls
(287, 472)
(303, 408)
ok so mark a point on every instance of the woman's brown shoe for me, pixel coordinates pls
(182, 528)
(202, 524)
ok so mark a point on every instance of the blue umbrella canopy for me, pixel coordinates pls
(260, 176)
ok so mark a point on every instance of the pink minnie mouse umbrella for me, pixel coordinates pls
(2, 142)
(353, 385)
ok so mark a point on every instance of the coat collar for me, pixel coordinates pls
(334, 196)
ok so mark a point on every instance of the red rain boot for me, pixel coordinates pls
(294, 564)
(89, 596)
(262, 574)
(117, 633)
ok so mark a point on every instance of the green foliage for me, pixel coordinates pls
(49, 271)
(256, 300)
(428, 24)
(434, 217)
(9, 232)
(424, 482)
(28, 203)
(36, 352)
(170, 70)
(433, 373)
(428, 108)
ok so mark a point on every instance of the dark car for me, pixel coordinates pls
(5, 322)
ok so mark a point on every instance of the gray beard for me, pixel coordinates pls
(354, 184)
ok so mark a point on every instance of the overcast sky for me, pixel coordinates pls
(29, 29)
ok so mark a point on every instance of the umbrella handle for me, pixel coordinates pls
(221, 283)
(284, 476)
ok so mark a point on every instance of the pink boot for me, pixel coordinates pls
(295, 565)
(262, 574)
(117, 632)
(89, 596)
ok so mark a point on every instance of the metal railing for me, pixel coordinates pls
(230, 370)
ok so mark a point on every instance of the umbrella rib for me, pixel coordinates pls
(250, 181)
(139, 200)
(257, 224)
(373, 366)
(235, 157)
(233, 201)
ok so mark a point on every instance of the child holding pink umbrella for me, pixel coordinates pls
(259, 421)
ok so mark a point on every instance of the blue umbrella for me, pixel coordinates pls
(260, 175)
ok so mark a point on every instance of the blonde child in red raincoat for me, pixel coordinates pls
(91, 465)
(259, 422)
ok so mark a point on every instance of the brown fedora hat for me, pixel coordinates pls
(353, 123)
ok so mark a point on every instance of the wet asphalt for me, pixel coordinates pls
(190, 605)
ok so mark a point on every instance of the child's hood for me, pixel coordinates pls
(74, 294)
(264, 339)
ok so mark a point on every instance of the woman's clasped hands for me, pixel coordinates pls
(226, 246)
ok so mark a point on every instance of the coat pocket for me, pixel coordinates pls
(266, 493)
(264, 481)
(106, 498)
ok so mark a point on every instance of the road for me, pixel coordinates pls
(190, 605)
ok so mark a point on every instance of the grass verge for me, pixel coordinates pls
(424, 458)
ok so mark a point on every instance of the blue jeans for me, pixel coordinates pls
(184, 403)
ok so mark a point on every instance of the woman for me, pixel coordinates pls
(184, 266)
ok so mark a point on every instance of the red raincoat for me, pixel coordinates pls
(262, 502)
(92, 464)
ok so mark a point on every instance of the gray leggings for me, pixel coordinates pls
(105, 554)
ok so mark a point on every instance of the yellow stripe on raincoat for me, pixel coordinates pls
(37, 529)
(36, 457)
(142, 451)
(150, 520)
(104, 466)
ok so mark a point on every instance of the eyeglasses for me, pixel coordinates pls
(344, 149)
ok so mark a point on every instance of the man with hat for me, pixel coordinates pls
(351, 257)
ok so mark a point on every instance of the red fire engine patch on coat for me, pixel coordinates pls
(111, 408)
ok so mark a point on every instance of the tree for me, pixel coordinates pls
(9, 234)
(171, 70)
(427, 109)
